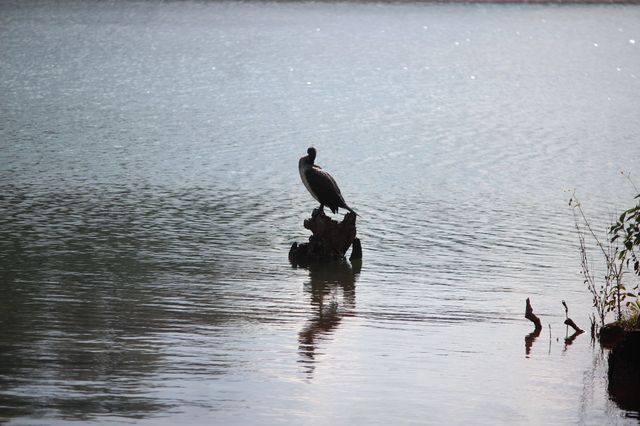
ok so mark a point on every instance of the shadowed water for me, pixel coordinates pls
(149, 195)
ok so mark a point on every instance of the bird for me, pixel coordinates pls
(321, 184)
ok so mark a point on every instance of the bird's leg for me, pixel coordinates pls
(318, 211)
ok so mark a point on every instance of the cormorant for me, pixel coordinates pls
(320, 183)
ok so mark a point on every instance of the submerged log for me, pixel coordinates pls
(569, 322)
(329, 241)
(528, 314)
(573, 325)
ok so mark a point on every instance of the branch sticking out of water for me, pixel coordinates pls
(573, 325)
(568, 321)
(528, 314)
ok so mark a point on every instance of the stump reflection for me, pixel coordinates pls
(332, 297)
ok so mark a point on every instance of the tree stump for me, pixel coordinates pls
(329, 241)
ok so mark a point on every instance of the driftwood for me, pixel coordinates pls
(329, 241)
(573, 325)
(568, 321)
(531, 337)
(528, 314)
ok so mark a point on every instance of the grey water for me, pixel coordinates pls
(149, 195)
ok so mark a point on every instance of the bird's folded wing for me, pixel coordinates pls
(323, 185)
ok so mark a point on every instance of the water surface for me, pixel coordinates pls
(149, 195)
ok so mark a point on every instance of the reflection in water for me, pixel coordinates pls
(568, 340)
(327, 306)
(77, 315)
(624, 373)
(94, 287)
(590, 377)
(529, 339)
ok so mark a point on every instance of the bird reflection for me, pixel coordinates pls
(332, 293)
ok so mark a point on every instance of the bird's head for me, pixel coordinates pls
(312, 154)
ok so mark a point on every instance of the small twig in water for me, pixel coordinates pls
(568, 321)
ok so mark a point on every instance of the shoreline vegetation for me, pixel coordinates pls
(617, 292)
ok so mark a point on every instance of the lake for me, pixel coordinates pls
(149, 194)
